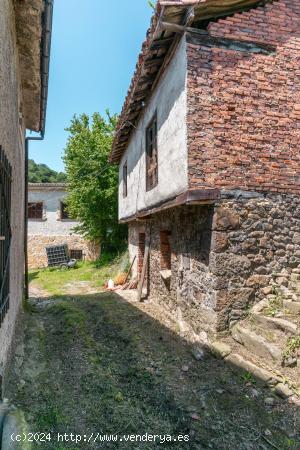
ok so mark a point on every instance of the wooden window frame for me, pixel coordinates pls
(38, 212)
(165, 250)
(151, 154)
(125, 179)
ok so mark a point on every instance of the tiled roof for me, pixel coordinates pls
(62, 186)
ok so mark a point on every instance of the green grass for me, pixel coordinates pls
(94, 274)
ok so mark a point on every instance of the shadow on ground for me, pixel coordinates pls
(98, 364)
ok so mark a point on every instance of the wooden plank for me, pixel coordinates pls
(144, 269)
(130, 268)
(204, 38)
(161, 43)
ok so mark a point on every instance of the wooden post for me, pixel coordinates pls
(144, 269)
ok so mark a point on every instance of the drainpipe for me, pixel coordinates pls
(45, 62)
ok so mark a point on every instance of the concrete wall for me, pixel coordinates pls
(169, 101)
(12, 141)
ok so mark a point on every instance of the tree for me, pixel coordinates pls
(41, 173)
(92, 181)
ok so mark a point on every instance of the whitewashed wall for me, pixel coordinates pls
(51, 223)
(169, 101)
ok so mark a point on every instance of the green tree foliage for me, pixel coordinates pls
(92, 181)
(41, 173)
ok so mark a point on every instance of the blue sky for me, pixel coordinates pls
(95, 44)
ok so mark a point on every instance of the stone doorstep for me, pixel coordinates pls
(260, 306)
(256, 343)
(272, 323)
(237, 362)
(293, 307)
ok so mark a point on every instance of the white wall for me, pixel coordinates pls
(169, 100)
(50, 225)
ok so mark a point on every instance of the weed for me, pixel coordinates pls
(248, 378)
(275, 305)
(292, 345)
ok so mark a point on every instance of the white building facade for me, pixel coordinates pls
(50, 224)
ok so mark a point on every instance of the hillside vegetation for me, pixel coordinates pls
(41, 173)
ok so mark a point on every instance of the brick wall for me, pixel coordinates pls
(244, 108)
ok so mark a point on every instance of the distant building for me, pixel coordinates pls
(50, 224)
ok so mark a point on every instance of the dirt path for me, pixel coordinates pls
(98, 364)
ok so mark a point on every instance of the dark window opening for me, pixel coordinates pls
(165, 250)
(35, 210)
(151, 155)
(125, 185)
(64, 214)
(76, 254)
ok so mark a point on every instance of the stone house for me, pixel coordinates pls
(50, 224)
(208, 149)
(25, 32)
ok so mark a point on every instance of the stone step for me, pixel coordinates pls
(295, 288)
(272, 323)
(292, 307)
(295, 277)
(256, 344)
(237, 362)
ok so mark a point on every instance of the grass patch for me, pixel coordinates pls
(90, 274)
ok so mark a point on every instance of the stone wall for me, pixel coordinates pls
(244, 107)
(223, 255)
(37, 257)
(12, 141)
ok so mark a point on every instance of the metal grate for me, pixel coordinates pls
(35, 210)
(5, 232)
(76, 254)
(57, 254)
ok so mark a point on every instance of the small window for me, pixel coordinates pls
(35, 210)
(165, 250)
(151, 155)
(76, 254)
(125, 186)
(64, 215)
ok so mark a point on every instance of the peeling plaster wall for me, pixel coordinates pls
(12, 141)
(170, 102)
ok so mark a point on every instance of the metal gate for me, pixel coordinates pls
(5, 232)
